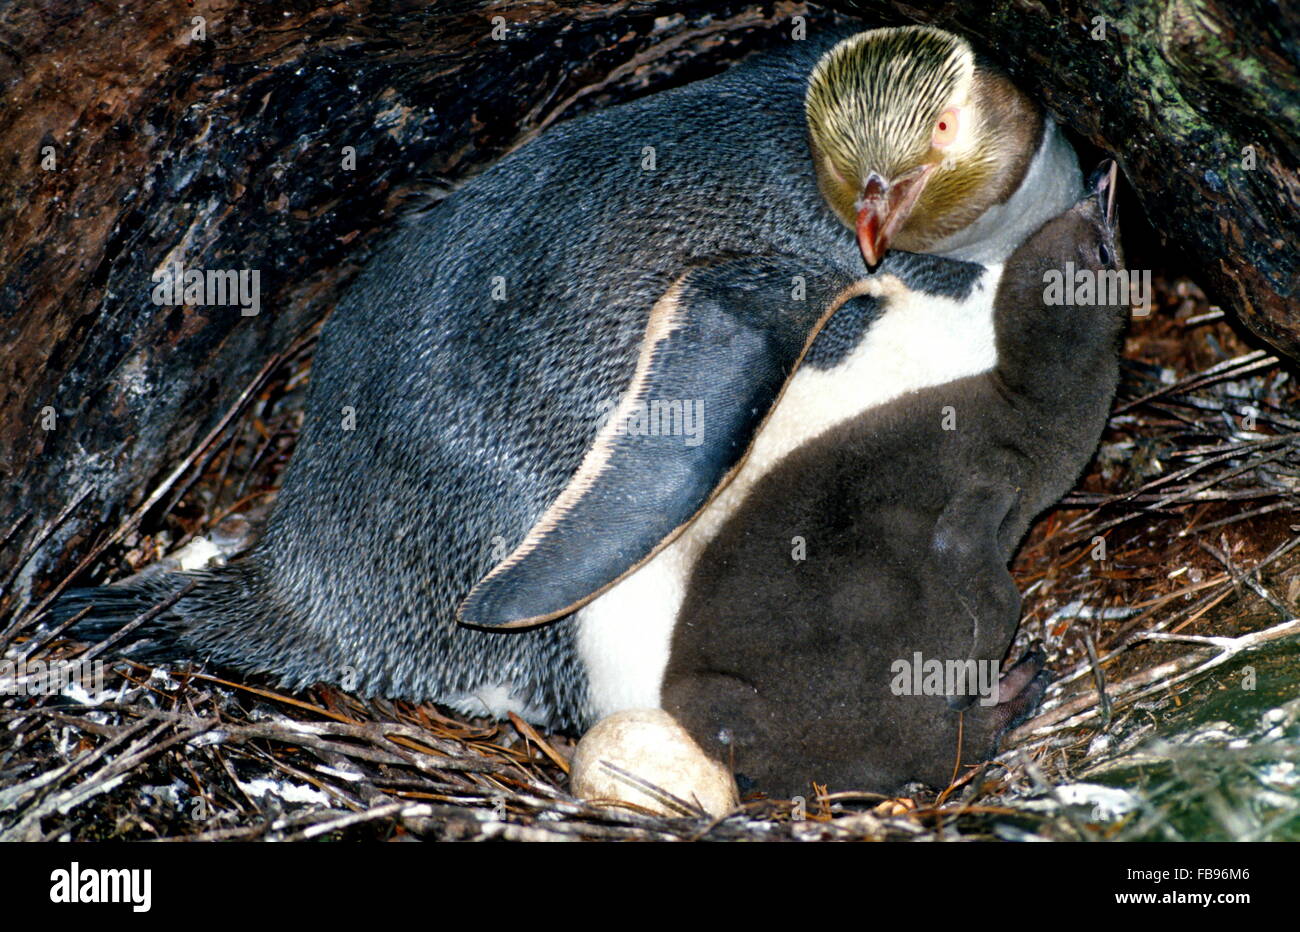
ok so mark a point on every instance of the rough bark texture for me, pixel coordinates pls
(127, 144)
(1177, 90)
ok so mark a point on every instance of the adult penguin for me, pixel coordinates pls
(533, 389)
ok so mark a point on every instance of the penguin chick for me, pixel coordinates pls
(913, 138)
(786, 662)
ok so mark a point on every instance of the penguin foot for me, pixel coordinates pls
(1021, 690)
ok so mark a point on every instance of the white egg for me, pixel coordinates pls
(639, 755)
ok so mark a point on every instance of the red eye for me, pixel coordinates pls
(943, 127)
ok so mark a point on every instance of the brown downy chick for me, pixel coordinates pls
(788, 669)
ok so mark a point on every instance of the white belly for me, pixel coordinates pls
(919, 340)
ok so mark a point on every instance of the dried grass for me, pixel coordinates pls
(1194, 507)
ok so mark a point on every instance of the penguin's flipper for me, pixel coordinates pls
(719, 346)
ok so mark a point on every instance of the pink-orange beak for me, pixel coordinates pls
(883, 209)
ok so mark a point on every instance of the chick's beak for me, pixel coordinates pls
(884, 208)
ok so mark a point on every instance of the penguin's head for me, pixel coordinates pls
(1062, 300)
(1086, 235)
(912, 138)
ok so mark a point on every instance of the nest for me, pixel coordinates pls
(1174, 557)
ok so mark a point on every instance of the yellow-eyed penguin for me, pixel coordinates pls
(534, 388)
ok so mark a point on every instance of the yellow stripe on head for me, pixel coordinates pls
(873, 99)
